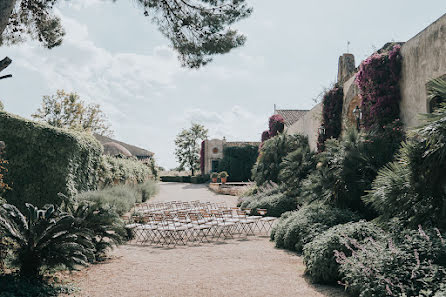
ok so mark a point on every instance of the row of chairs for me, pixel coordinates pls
(198, 224)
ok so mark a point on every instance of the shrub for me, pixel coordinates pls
(331, 115)
(378, 78)
(103, 224)
(238, 161)
(123, 171)
(270, 197)
(199, 179)
(345, 171)
(147, 190)
(44, 239)
(318, 255)
(305, 224)
(45, 161)
(271, 154)
(411, 265)
(412, 188)
(121, 197)
(15, 286)
(295, 167)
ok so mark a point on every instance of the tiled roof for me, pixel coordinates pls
(134, 150)
(291, 115)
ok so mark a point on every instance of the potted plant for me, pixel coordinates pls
(223, 176)
(214, 176)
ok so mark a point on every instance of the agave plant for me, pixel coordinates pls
(102, 223)
(44, 239)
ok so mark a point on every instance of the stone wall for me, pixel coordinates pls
(424, 58)
(213, 150)
(309, 125)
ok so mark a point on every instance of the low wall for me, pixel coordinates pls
(309, 125)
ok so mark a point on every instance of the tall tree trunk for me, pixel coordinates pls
(6, 8)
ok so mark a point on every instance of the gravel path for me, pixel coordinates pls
(238, 267)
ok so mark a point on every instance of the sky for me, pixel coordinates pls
(114, 56)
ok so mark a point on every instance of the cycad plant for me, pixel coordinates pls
(100, 221)
(44, 239)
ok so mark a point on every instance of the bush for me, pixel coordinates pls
(412, 188)
(44, 239)
(147, 190)
(238, 162)
(121, 197)
(15, 286)
(271, 154)
(303, 225)
(270, 197)
(172, 179)
(318, 255)
(45, 161)
(199, 179)
(414, 264)
(123, 171)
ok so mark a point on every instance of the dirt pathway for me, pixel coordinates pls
(238, 267)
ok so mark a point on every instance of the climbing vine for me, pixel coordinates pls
(378, 80)
(331, 115)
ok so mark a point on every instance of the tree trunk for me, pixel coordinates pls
(6, 8)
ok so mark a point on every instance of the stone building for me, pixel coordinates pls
(423, 59)
(212, 152)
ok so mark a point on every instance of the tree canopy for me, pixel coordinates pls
(187, 149)
(197, 29)
(67, 110)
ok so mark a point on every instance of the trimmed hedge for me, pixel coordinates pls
(238, 162)
(45, 161)
(319, 257)
(122, 171)
(199, 179)
(300, 227)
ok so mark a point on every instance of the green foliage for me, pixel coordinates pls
(346, 169)
(413, 187)
(45, 161)
(123, 171)
(413, 264)
(270, 197)
(103, 224)
(302, 226)
(318, 255)
(147, 190)
(197, 30)
(121, 198)
(2, 107)
(238, 162)
(65, 110)
(295, 167)
(44, 239)
(187, 144)
(199, 179)
(15, 286)
(271, 155)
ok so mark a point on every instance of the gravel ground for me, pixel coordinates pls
(237, 267)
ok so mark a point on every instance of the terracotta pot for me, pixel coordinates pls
(214, 179)
(223, 180)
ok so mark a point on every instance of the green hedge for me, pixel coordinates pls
(123, 171)
(238, 162)
(199, 179)
(45, 161)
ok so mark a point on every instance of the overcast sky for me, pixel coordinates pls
(114, 56)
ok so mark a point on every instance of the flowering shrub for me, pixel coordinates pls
(331, 115)
(318, 255)
(413, 264)
(378, 79)
(3, 171)
(276, 125)
(294, 231)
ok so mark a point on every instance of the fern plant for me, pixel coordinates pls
(44, 239)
